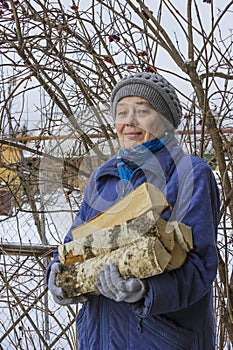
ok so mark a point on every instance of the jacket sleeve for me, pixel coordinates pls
(178, 289)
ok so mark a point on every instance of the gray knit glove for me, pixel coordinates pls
(113, 286)
(58, 293)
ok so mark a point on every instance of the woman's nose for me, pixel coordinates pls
(131, 118)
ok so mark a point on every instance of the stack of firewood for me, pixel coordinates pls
(130, 234)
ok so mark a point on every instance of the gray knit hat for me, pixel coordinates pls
(155, 89)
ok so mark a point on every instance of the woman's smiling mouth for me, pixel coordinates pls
(132, 134)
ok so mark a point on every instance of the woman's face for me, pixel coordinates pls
(137, 122)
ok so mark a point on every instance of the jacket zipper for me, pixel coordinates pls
(160, 331)
(139, 324)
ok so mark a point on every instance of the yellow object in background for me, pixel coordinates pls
(10, 183)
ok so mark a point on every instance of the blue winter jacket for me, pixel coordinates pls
(177, 312)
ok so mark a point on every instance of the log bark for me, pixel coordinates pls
(106, 240)
(141, 259)
(163, 247)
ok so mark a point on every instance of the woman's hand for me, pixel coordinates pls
(58, 293)
(113, 286)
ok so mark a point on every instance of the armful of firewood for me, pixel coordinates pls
(164, 247)
(130, 234)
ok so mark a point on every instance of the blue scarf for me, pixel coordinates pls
(132, 158)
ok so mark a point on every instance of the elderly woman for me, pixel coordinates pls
(172, 310)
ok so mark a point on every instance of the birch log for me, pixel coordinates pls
(106, 240)
(162, 247)
(144, 198)
(141, 259)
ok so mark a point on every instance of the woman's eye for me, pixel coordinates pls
(143, 111)
(121, 114)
